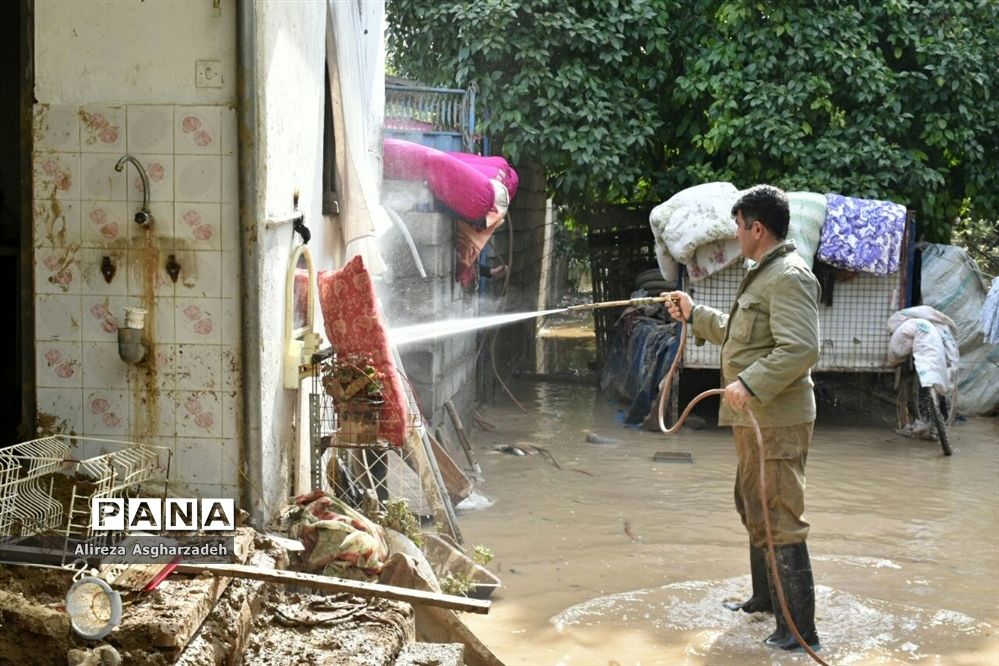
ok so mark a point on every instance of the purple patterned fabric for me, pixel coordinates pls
(862, 235)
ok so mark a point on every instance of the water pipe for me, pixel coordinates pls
(664, 389)
(131, 347)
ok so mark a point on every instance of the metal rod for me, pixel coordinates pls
(646, 300)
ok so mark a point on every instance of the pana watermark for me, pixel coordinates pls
(154, 513)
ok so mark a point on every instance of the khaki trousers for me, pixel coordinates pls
(785, 449)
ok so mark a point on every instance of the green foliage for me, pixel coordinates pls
(981, 239)
(636, 99)
(398, 517)
(482, 555)
(456, 584)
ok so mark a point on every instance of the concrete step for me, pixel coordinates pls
(438, 654)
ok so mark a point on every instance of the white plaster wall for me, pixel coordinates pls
(291, 57)
(132, 50)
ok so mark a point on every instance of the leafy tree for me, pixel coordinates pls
(636, 99)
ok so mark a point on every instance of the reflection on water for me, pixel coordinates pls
(615, 557)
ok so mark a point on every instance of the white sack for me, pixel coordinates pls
(928, 336)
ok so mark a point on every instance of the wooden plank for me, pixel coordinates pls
(330, 584)
(462, 436)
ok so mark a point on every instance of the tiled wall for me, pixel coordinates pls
(187, 396)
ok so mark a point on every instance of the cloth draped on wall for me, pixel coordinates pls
(355, 52)
(990, 314)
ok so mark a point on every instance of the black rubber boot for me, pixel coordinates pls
(760, 601)
(799, 591)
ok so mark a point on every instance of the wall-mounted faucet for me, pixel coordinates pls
(142, 216)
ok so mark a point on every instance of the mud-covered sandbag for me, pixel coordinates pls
(952, 284)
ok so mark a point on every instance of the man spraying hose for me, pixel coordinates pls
(769, 343)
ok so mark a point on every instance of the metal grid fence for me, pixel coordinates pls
(853, 331)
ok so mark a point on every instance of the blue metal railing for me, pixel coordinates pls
(439, 117)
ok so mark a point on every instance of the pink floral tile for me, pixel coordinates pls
(102, 128)
(229, 226)
(153, 412)
(56, 270)
(60, 410)
(230, 131)
(56, 223)
(102, 315)
(231, 364)
(230, 179)
(197, 130)
(159, 171)
(161, 230)
(199, 321)
(91, 263)
(99, 181)
(57, 317)
(105, 412)
(104, 224)
(58, 364)
(103, 368)
(150, 129)
(199, 367)
(199, 463)
(202, 275)
(230, 275)
(56, 128)
(198, 179)
(199, 414)
(56, 176)
(198, 225)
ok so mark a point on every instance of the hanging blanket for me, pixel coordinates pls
(808, 213)
(354, 325)
(338, 540)
(862, 235)
(695, 227)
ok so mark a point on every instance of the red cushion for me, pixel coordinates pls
(355, 326)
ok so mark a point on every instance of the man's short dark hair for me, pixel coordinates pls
(767, 205)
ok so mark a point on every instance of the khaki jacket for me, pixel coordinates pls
(769, 339)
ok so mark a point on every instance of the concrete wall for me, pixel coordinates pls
(111, 78)
(441, 369)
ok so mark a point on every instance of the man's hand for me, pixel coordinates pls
(678, 304)
(736, 396)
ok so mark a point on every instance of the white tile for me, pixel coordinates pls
(100, 181)
(103, 224)
(59, 411)
(198, 320)
(230, 275)
(231, 363)
(150, 129)
(105, 413)
(197, 225)
(230, 179)
(230, 462)
(56, 176)
(147, 274)
(199, 414)
(200, 275)
(102, 315)
(102, 367)
(230, 131)
(56, 271)
(199, 461)
(58, 364)
(159, 371)
(231, 322)
(198, 178)
(199, 367)
(56, 223)
(102, 128)
(197, 130)
(57, 317)
(159, 232)
(229, 226)
(164, 320)
(91, 261)
(231, 422)
(159, 171)
(57, 127)
(153, 413)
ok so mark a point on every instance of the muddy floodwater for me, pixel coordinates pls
(616, 559)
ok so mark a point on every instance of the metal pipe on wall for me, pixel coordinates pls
(250, 213)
